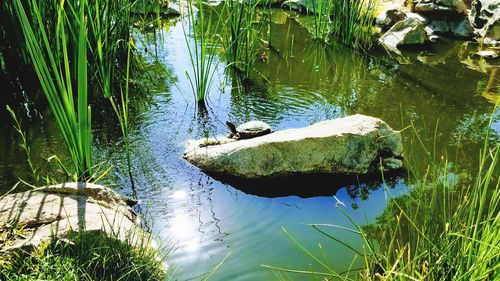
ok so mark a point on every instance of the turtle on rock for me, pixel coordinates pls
(248, 130)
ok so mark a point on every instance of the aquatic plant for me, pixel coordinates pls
(202, 52)
(108, 36)
(352, 21)
(24, 145)
(75, 48)
(122, 109)
(321, 18)
(241, 39)
(57, 78)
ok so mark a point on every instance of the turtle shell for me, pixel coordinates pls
(253, 129)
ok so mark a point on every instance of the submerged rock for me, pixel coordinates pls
(58, 210)
(409, 31)
(353, 145)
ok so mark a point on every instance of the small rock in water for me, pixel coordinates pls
(489, 54)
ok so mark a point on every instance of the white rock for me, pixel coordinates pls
(350, 145)
(59, 209)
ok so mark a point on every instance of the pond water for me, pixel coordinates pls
(302, 83)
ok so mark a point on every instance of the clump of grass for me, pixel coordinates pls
(352, 21)
(89, 256)
(442, 232)
(202, 52)
(321, 17)
(241, 39)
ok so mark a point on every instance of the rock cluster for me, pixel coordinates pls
(425, 20)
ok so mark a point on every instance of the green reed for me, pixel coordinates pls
(202, 53)
(321, 18)
(122, 109)
(108, 33)
(59, 77)
(241, 37)
(75, 48)
(352, 21)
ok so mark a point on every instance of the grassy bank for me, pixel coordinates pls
(447, 227)
(89, 256)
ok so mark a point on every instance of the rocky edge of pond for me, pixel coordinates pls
(416, 22)
(400, 22)
(57, 210)
(353, 145)
(424, 21)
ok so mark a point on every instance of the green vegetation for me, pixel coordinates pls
(321, 17)
(76, 48)
(24, 145)
(202, 52)
(352, 22)
(57, 78)
(347, 21)
(122, 110)
(85, 256)
(241, 36)
(444, 229)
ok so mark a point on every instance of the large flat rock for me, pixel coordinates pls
(57, 210)
(353, 145)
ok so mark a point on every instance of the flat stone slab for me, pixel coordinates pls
(352, 145)
(56, 210)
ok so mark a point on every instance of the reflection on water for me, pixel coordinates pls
(301, 82)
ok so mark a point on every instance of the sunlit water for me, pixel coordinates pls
(206, 220)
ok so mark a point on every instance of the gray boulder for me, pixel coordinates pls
(440, 7)
(389, 17)
(485, 18)
(458, 28)
(409, 31)
(163, 8)
(352, 145)
(59, 209)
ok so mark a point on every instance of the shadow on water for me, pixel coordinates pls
(308, 186)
